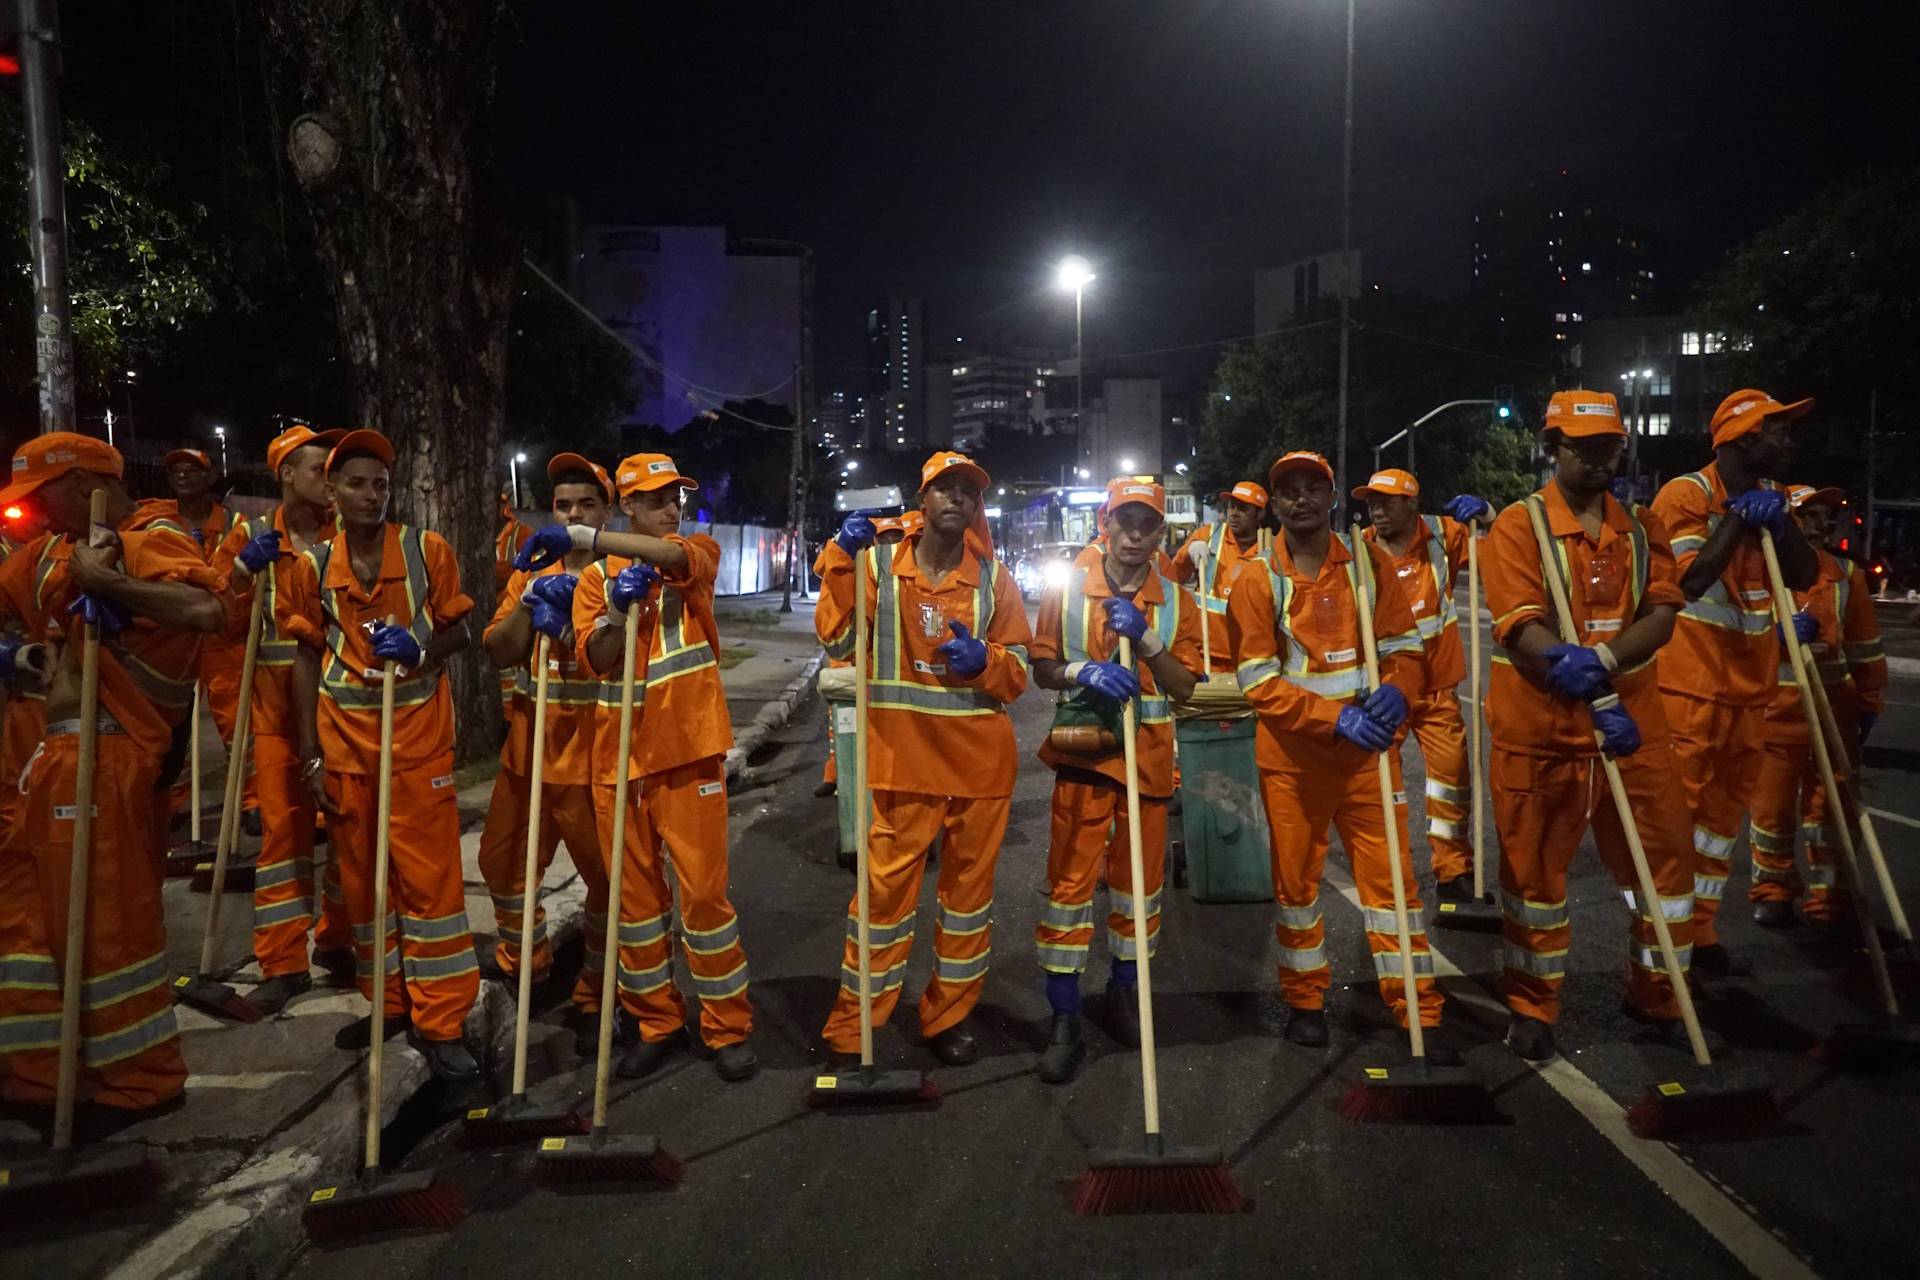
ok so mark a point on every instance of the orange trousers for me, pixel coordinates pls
(1434, 722)
(1789, 798)
(1542, 806)
(1301, 807)
(1718, 750)
(1089, 840)
(29, 978)
(680, 816)
(130, 1045)
(905, 825)
(426, 926)
(283, 888)
(220, 667)
(568, 815)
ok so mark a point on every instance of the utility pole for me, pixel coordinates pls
(47, 206)
(1873, 417)
(794, 496)
(1346, 267)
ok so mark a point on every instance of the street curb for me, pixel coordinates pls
(773, 716)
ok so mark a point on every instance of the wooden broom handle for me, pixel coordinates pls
(616, 865)
(1476, 692)
(377, 1019)
(1869, 836)
(1136, 861)
(862, 896)
(193, 768)
(1206, 617)
(530, 881)
(236, 772)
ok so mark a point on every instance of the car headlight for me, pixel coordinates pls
(1056, 573)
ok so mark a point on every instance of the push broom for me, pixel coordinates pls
(1424, 1092)
(184, 859)
(70, 1179)
(1157, 1178)
(1479, 914)
(516, 1119)
(600, 1156)
(203, 989)
(1708, 1103)
(379, 1202)
(865, 1085)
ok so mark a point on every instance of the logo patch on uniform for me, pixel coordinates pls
(68, 812)
(712, 788)
(932, 622)
(1592, 410)
(445, 780)
(1399, 797)
(844, 719)
(1605, 624)
(1340, 655)
(930, 668)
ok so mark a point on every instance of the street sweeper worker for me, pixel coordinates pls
(1722, 668)
(1546, 699)
(1836, 621)
(1428, 554)
(145, 583)
(677, 797)
(1210, 559)
(256, 555)
(378, 592)
(1112, 590)
(1293, 625)
(949, 650)
(539, 602)
(887, 532)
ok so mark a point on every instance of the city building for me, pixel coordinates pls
(1124, 428)
(936, 382)
(1001, 393)
(896, 355)
(1283, 295)
(833, 419)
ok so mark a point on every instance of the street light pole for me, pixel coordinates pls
(794, 496)
(1346, 265)
(1408, 430)
(47, 201)
(1079, 372)
(513, 472)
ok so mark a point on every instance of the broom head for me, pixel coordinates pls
(378, 1204)
(1869, 1046)
(76, 1180)
(214, 998)
(1420, 1093)
(239, 879)
(607, 1157)
(185, 858)
(1480, 916)
(1159, 1179)
(868, 1086)
(517, 1120)
(1705, 1103)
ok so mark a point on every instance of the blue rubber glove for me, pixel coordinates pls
(1466, 507)
(1806, 627)
(965, 656)
(550, 599)
(1109, 680)
(10, 647)
(108, 616)
(1761, 509)
(396, 644)
(1619, 735)
(631, 585)
(1123, 619)
(856, 534)
(549, 621)
(1868, 719)
(1577, 672)
(1387, 706)
(544, 547)
(261, 550)
(1362, 730)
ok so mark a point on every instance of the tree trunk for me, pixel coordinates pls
(393, 156)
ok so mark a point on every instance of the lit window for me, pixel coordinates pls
(1577, 317)
(1560, 317)
(1659, 424)
(1690, 343)
(1712, 343)
(1586, 268)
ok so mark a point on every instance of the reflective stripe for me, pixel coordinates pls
(881, 935)
(339, 681)
(722, 986)
(1444, 793)
(28, 971)
(1636, 548)
(1062, 957)
(111, 988)
(1445, 828)
(1300, 917)
(712, 941)
(1773, 875)
(1708, 888)
(1386, 964)
(960, 923)
(1300, 959)
(1250, 675)
(1714, 609)
(276, 874)
(1649, 957)
(1711, 845)
(1076, 623)
(1674, 909)
(1122, 903)
(1381, 920)
(968, 969)
(434, 928)
(1123, 947)
(1539, 964)
(1821, 834)
(1343, 681)
(120, 1045)
(946, 700)
(1535, 915)
(29, 1031)
(363, 965)
(883, 979)
(363, 933)
(641, 981)
(1067, 915)
(1765, 841)
(1820, 878)
(437, 968)
(278, 913)
(640, 933)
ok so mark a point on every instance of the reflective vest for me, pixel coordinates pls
(1829, 659)
(1444, 612)
(580, 690)
(1346, 678)
(360, 690)
(1637, 548)
(1077, 618)
(174, 695)
(886, 685)
(275, 650)
(1715, 607)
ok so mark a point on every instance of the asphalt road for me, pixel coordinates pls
(979, 1184)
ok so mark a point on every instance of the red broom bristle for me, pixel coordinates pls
(1146, 1189)
(438, 1207)
(1702, 1114)
(661, 1166)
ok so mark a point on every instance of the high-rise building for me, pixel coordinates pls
(896, 354)
(999, 392)
(833, 419)
(1283, 295)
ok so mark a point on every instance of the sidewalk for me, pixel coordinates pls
(273, 1109)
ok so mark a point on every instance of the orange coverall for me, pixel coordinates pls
(1300, 661)
(1717, 676)
(28, 996)
(1088, 840)
(1223, 565)
(513, 535)
(678, 754)
(1548, 786)
(322, 605)
(940, 757)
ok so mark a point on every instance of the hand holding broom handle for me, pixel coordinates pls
(236, 772)
(616, 865)
(1143, 994)
(530, 880)
(377, 1019)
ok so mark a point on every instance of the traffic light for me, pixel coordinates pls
(1503, 403)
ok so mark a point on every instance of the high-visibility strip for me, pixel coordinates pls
(109, 989)
(1383, 920)
(1445, 828)
(1444, 793)
(710, 942)
(1649, 958)
(1535, 915)
(964, 969)
(886, 979)
(1636, 548)
(1709, 888)
(1057, 957)
(1252, 674)
(960, 923)
(1386, 964)
(722, 986)
(438, 968)
(943, 700)
(1122, 902)
(1302, 959)
(1820, 878)
(1674, 909)
(1765, 841)
(363, 933)
(882, 935)
(275, 874)
(1067, 915)
(641, 981)
(278, 913)
(1539, 964)
(1714, 609)
(1123, 947)
(1298, 918)
(29, 1031)
(1711, 844)
(30, 971)
(1763, 873)
(434, 928)
(117, 1046)
(639, 933)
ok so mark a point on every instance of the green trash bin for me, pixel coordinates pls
(1222, 819)
(840, 714)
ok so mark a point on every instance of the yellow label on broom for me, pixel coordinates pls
(478, 1113)
(180, 981)
(6, 1176)
(1376, 1073)
(553, 1144)
(322, 1195)
(1671, 1089)
(1448, 906)
(825, 1082)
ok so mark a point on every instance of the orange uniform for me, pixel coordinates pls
(283, 882)
(1213, 584)
(1088, 839)
(29, 996)
(566, 801)
(1297, 639)
(678, 753)
(322, 604)
(1547, 783)
(1717, 676)
(1852, 664)
(513, 535)
(940, 756)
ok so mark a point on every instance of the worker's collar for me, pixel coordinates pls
(340, 576)
(1337, 552)
(906, 562)
(1422, 533)
(1563, 523)
(1094, 561)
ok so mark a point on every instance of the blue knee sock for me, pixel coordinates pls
(1063, 992)
(1125, 973)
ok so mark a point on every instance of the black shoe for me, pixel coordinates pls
(271, 996)
(826, 789)
(487, 960)
(1307, 1027)
(358, 1034)
(1121, 1015)
(1531, 1038)
(649, 1056)
(1060, 1060)
(1717, 960)
(955, 1046)
(1673, 1032)
(250, 823)
(1458, 889)
(586, 1031)
(1774, 914)
(447, 1059)
(1440, 1047)
(337, 964)
(735, 1062)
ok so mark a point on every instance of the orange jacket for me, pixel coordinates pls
(932, 731)
(272, 715)
(207, 535)
(322, 605)
(1223, 566)
(1301, 661)
(1427, 572)
(22, 574)
(573, 697)
(1723, 649)
(1072, 627)
(1851, 660)
(513, 535)
(1628, 570)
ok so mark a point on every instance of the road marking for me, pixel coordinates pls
(243, 1080)
(1891, 816)
(1739, 1233)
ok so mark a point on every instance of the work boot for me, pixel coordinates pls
(1531, 1038)
(487, 960)
(1458, 889)
(447, 1059)
(337, 964)
(1307, 1027)
(649, 1056)
(736, 1062)
(955, 1046)
(586, 1031)
(1773, 913)
(1673, 1032)
(1060, 1060)
(271, 996)
(1120, 1014)
(358, 1034)
(826, 789)
(1720, 962)
(250, 823)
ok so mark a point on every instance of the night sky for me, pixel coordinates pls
(953, 151)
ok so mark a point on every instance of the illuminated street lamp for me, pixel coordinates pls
(1076, 273)
(513, 473)
(220, 434)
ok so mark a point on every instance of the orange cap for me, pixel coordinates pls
(940, 463)
(1126, 491)
(1391, 483)
(51, 456)
(283, 445)
(1248, 492)
(1299, 460)
(195, 456)
(644, 472)
(912, 521)
(889, 524)
(362, 440)
(1577, 414)
(1801, 495)
(561, 463)
(1744, 411)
